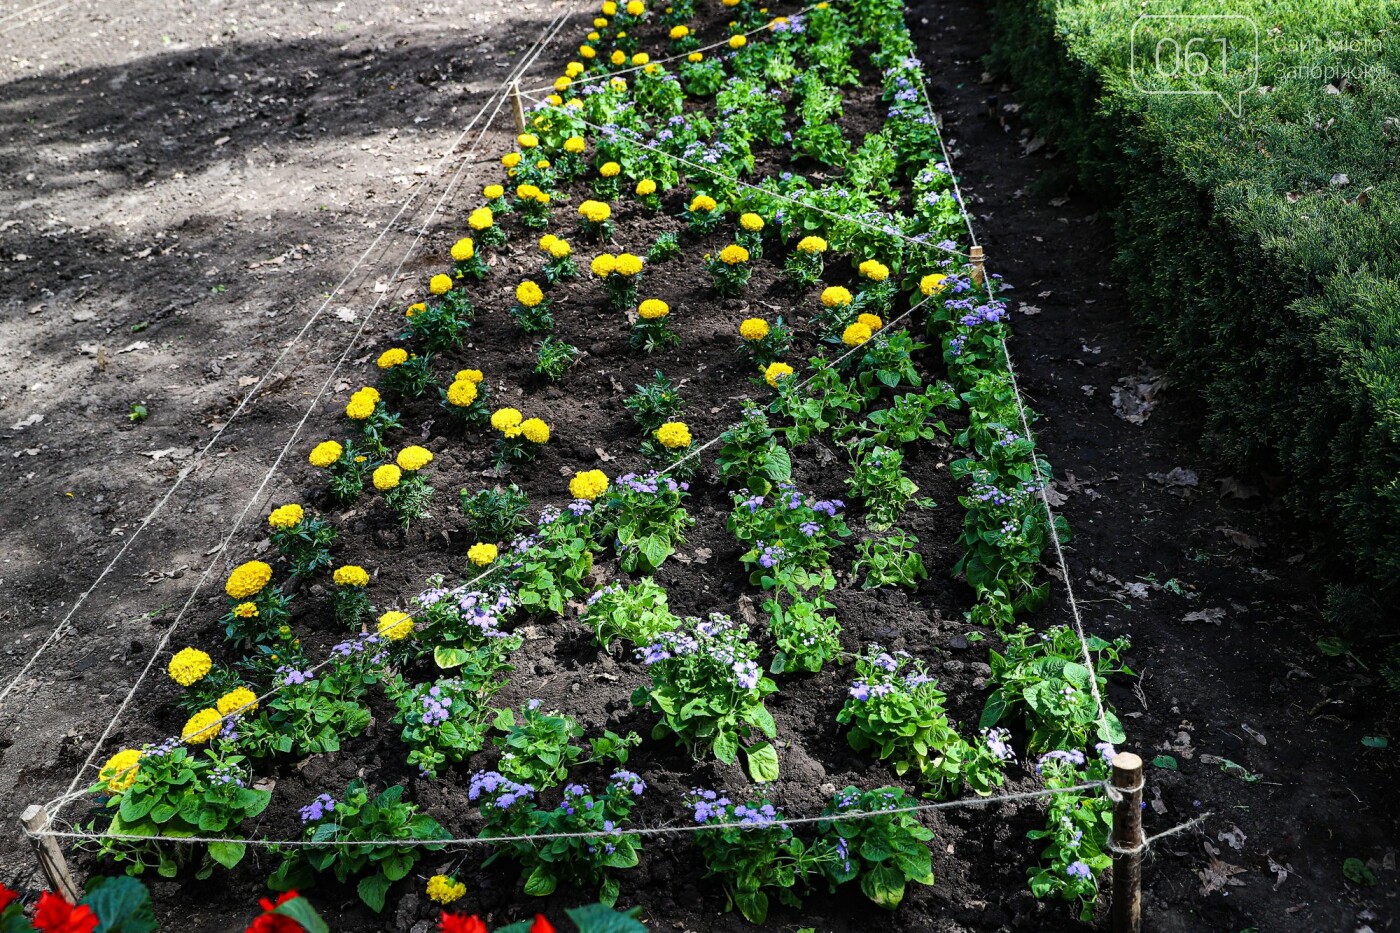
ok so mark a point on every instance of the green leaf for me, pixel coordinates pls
(763, 767)
(300, 910)
(1357, 872)
(598, 918)
(1166, 762)
(227, 854)
(372, 890)
(884, 886)
(1333, 646)
(448, 658)
(122, 905)
(726, 747)
(541, 882)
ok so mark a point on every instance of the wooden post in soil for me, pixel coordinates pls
(978, 260)
(518, 107)
(55, 867)
(1126, 844)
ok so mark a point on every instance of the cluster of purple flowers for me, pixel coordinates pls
(630, 781)
(507, 792)
(316, 810)
(794, 25)
(651, 483)
(1071, 756)
(886, 679)
(436, 707)
(707, 155)
(999, 741)
(161, 750)
(291, 677)
(225, 774)
(708, 805)
(717, 641)
(986, 492)
(770, 554)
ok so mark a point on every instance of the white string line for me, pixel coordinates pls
(766, 27)
(898, 235)
(42, 15)
(1147, 842)
(500, 97)
(1041, 484)
(967, 802)
(246, 400)
(947, 158)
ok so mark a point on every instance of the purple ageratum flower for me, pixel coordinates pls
(1078, 870)
(533, 705)
(1106, 751)
(1071, 756)
(316, 810)
(291, 677)
(809, 529)
(631, 781)
(999, 741)
(708, 806)
(746, 674)
(860, 690)
(828, 507)
(885, 662)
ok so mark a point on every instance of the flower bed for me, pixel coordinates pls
(692, 488)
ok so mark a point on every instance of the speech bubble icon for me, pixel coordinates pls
(1196, 54)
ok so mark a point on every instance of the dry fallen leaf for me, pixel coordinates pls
(1218, 875)
(1134, 397)
(1239, 537)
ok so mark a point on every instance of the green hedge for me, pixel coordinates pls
(1271, 290)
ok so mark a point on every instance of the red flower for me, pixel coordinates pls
(7, 898)
(541, 925)
(275, 923)
(456, 923)
(55, 915)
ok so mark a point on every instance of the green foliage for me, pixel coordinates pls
(643, 519)
(654, 403)
(750, 455)
(804, 630)
(1077, 827)
(305, 545)
(445, 720)
(892, 559)
(553, 357)
(637, 613)
(540, 748)
(884, 852)
(879, 482)
(496, 514)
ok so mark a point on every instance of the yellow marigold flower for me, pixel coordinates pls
(543, 163)
(574, 145)
(776, 371)
(751, 222)
(573, 70)
(351, 575)
(246, 610)
(119, 772)
(465, 248)
(392, 357)
(595, 36)
(527, 192)
(855, 335)
(754, 328)
(702, 202)
(609, 169)
(529, 294)
(603, 265)
(202, 726)
(586, 51)
(469, 375)
(440, 284)
(445, 890)
(413, 458)
(730, 2)
(680, 32)
(248, 579)
(504, 418)
(609, 8)
(635, 8)
(359, 407)
(629, 265)
(694, 57)
(395, 625)
(588, 485)
(560, 249)
(535, 430)
(673, 435)
(835, 296)
(239, 700)
(733, 254)
(546, 240)
(646, 187)
(640, 59)
(653, 309)
(481, 219)
(188, 666)
(461, 393)
(738, 42)
(481, 554)
(595, 211)
(874, 271)
(416, 308)
(811, 244)
(619, 57)
(871, 321)
(562, 83)
(492, 192)
(933, 283)
(287, 516)
(386, 477)
(527, 140)
(325, 453)
(511, 159)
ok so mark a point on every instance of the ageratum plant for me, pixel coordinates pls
(787, 533)
(465, 626)
(546, 570)
(637, 613)
(879, 482)
(541, 747)
(708, 689)
(750, 454)
(825, 404)
(804, 630)
(312, 714)
(643, 518)
(890, 560)
(1077, 829)
(884, 852)
(445, 720)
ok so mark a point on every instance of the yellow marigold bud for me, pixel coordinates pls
(247, 580)
(413, 458)
(595, 36)
(587, 51)
(871, 321)
(573, 70)
(529, 294)
(395, 625)
(461, 393)
(286, 516)
(640, 59)
(855, 335)
(386, 477)
(392, 357)
(874, 271)
(733, 254)
(603, 265)
(635, 8)
(119, 772)
(738, 42)
(246, 610)
(202, 726)
(628, 264)
(574, 145)
(527, 140)
(325, 453)
(776, 371)
(673, 435)
(754, 328)
(646, 187)
(609, 169)
(492, 192)
(469, 375)
(694, 57)
(834, 296)
(596, 211)
(445, 890)
(653, 309)
(416, 308)
(440, 284)
(702, 202)
(535, 430)
(751, 222)
(504, 418)
(811, 244)
(188, 666)
(730, 2)
(465, 248)
(238, 701)
(619, 57)
(481, 554)
(932, 284)
(680, 32)
(588, 485)
(481, 219)
(351, 575)
(542, 163)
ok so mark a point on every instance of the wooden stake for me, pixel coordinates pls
(51, 860)
(979, 271)
(518, 107)
(1126, 844)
